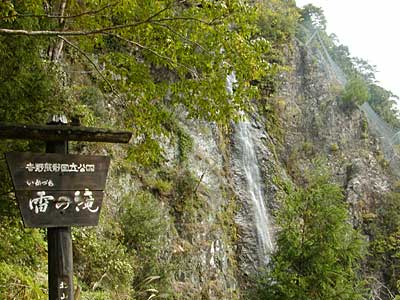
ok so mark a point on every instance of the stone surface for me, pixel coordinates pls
(218, 249)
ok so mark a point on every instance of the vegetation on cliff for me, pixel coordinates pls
(318, 253)
(145, 66)
(137, 65)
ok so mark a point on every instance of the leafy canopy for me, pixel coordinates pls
(150, 59)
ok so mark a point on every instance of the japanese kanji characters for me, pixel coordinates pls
(82, 200)
(59, 167)
(63, 288)
(40, 204)
(85, 202)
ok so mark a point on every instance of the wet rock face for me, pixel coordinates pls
(205, 248)
(249, 155)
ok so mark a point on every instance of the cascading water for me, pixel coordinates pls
(247, 164)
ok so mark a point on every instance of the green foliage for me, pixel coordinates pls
(355, 92)
(363, 68)
(384, 252)
(7, 10)
(146, 152)
(19, 246)
(362, 85)
(144, 228)
(184, 200)
(318, 252)
(334, 147)
(28, 88)
(308, 149)
(278, 20)
(102, 262)
(313, 16)
(185, 144)
(364, 128)
(272, 109)
(27, 85)
(143, 224)
(18, 282)
(23, 257)
(173, 56)
(96, 296)
(383, 102)
(151, 55)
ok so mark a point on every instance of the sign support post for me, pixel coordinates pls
(59, 248)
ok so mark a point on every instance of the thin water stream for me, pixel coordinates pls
(247, 162)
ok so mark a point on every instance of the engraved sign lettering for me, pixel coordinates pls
(56, 190)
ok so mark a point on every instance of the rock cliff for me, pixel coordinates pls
(232, 235)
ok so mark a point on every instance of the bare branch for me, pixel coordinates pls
(174, 63)
(199, 182)
(91, 62)
(56, 48)
(160, 12)
(90, 12)
(6, 31)
(212, 22)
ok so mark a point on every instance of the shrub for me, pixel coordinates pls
(318, 251)
(18, 282)
(384, 252)
(144, 226)
(355, 92)
(143, 223)
(101, 262)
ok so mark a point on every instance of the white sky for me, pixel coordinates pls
(371, 30)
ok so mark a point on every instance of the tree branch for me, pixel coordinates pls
(56, 49)
(199, 182)
(212, 22)
(90, 12)
(7, 31)
(193, 72)
(91, 62)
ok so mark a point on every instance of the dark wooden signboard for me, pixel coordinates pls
(56, 190)
(57, 172)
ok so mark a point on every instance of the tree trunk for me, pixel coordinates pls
(57, 8)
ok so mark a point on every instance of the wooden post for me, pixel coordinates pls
(59, 242)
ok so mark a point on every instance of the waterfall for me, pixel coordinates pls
(247, 165)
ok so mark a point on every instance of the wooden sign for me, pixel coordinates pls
(57, 190)
(60, 208)
(57, 172)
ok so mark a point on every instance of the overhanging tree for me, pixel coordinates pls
(151, 57)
